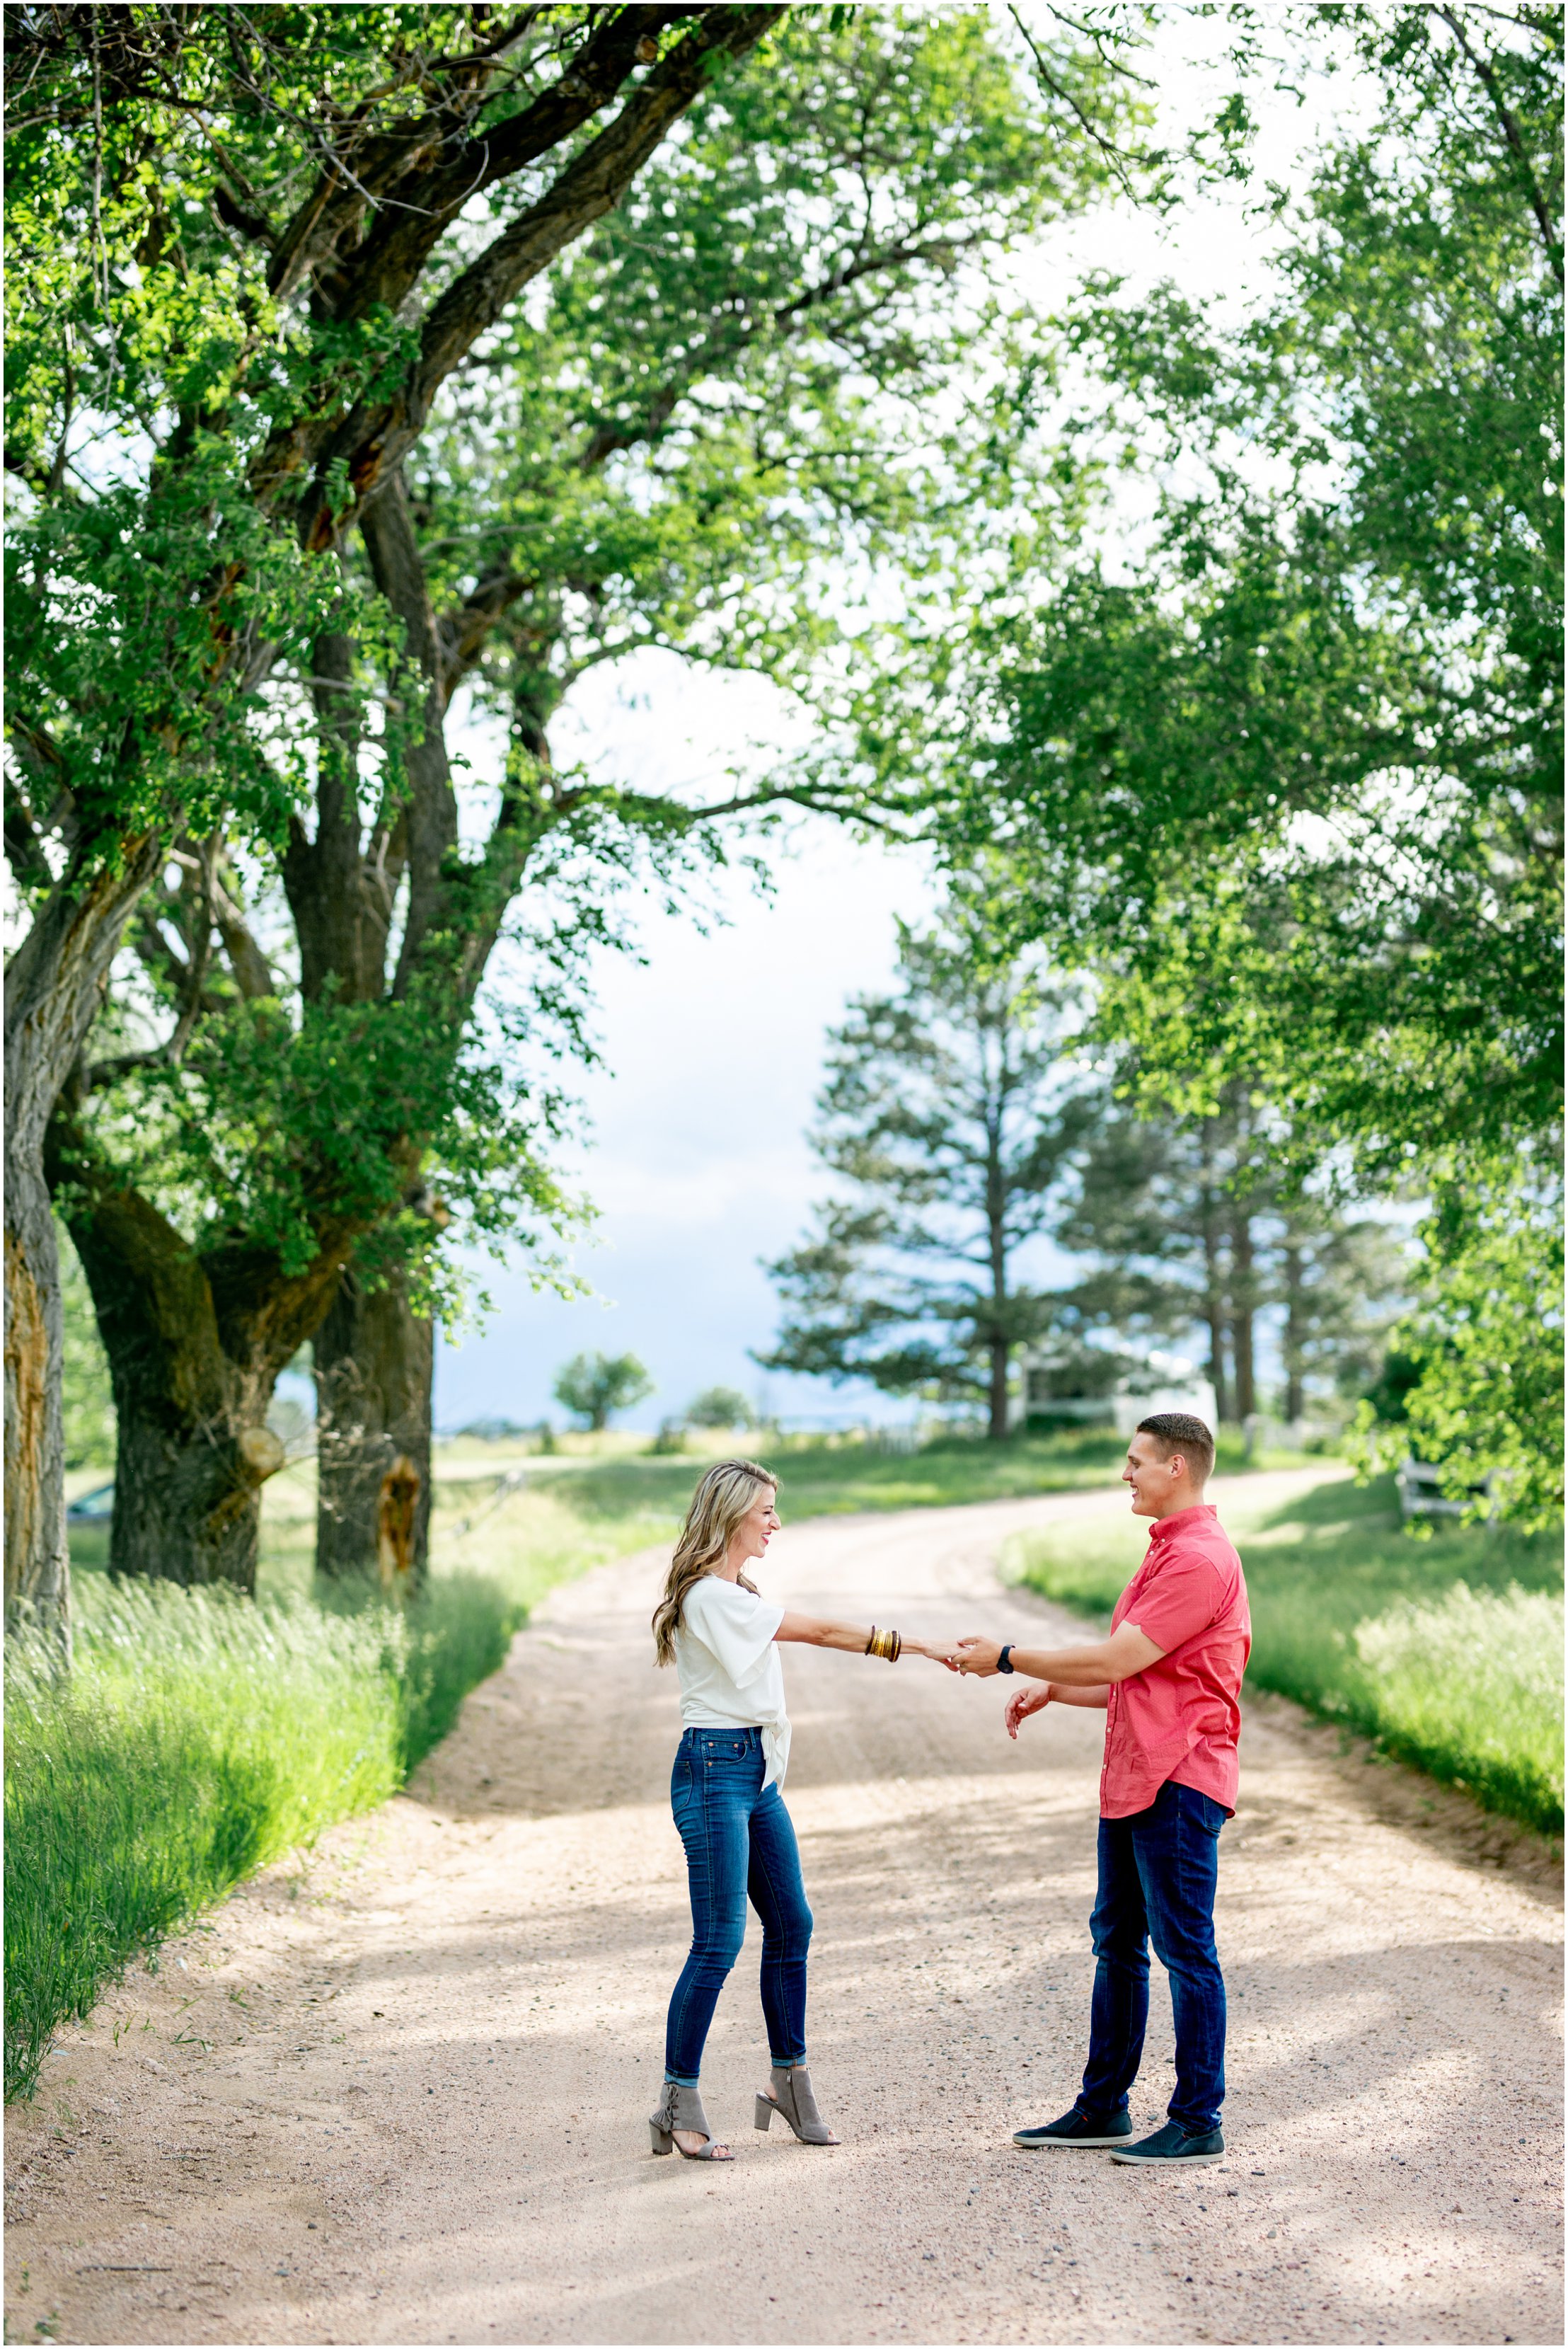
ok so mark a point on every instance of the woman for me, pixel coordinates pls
(722, 1639)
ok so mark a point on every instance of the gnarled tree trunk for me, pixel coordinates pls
(195, 1343)
(193, 1449)
(53, 989)
(37, 1573)
(374, 1359)
(187, 1494)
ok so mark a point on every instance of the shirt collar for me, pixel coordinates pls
(1183, 1518)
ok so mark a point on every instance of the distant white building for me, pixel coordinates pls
(1078, 1392)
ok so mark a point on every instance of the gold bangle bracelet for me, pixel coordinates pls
(886, 1644)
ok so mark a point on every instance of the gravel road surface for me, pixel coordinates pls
(396, 2093)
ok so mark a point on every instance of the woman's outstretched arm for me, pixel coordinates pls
(853, 1639)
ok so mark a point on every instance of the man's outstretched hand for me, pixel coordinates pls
(1023, 1702)
(977, 1657)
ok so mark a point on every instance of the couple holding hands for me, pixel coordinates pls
(1167, 1679)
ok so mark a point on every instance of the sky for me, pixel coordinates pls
(712, 1045)
(712, 1052)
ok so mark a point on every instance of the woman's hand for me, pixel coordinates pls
(937, 1655)
(1023, 1702)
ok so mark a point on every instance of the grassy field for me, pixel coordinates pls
(600, 1497)
(1448, 1650)
(197, 1738)
(576, 1511)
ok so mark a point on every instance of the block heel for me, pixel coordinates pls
(680, 2107)
(789, 2095)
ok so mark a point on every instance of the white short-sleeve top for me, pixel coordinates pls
(731, 1676)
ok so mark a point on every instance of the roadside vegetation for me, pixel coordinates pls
(199, 1736)
(1448, 1650)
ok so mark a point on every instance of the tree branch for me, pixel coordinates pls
(1514, 137)
(1107, 147)
(387, 529)
(371, 441)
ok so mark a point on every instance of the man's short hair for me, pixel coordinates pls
(1179, 1431)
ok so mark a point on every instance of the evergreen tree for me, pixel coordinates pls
(1191, 1215)
(949, 1114)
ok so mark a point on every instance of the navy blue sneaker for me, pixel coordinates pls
(1079, 2128)
(1173, 2143)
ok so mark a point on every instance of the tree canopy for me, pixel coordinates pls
(1284, 767)
(279, 391)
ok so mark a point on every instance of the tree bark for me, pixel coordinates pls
(1292, 1344)
(1244, 1306)
(53, 989)
(372, 440)
(998, 1429)
(998, 1344)
(37, 1569)
(375, 1360)
(195, 1344)
(193, 1447)
(1214, 1307)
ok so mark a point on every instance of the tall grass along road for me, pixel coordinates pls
(398, 2092)
(197, 1738)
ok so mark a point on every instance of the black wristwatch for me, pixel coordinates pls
(1002, 1664)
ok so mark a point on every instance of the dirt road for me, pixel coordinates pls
(399, 2094)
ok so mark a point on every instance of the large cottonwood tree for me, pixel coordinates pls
(441, 492)
(247, 250)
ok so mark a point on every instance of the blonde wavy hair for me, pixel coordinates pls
(726, 1493)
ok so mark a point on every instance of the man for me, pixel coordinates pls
(1168, 1677)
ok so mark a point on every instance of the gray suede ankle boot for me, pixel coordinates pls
(790, 2094)
(680, 2107)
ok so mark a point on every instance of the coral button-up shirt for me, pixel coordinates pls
(1180, 1720)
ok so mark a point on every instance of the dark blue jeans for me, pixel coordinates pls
(740, 1845)
(1157, 1872)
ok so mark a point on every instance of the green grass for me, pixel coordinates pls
(1447, 1651)
(197, 1738)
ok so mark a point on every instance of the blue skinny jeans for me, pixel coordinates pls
(1156, 1876)
(739, 1844)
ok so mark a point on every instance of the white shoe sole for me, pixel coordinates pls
(1067, 2144)
(1169, 2160)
